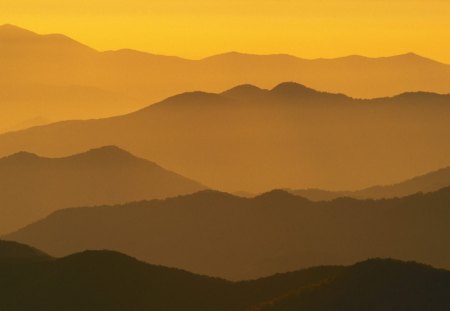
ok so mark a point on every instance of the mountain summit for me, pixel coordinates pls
(14, 32)
(33, 186)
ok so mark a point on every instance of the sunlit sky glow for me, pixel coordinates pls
(199, 28)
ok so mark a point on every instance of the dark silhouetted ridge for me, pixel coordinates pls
(10, 250)
(373, 285)
(274, 232)
(110, 281)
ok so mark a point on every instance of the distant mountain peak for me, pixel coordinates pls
(244, 90)
(210, 195)
(278, 194)
(187, 100)
(233, 56)
(22, 156)
(412, 57)
(105, 152)
(101, 153)
(108, 149)
(13, 34)
(289, 88)
(8, 30)
(225, 55)
(411, 54)
(245, 87)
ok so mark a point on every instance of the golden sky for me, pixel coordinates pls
(198, 28)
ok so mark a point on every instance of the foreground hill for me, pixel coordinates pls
(218, 234)
(31, 187)
(13, 251)
(58, 78)
(250, 139)
(372, 285)
(425, 183)
(105, 280)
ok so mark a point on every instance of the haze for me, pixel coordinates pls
(199, 28)
(228, 155)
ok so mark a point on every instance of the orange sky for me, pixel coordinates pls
(198, 28)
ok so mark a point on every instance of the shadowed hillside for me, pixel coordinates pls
(31, 187)
(58, 78)
(13, 251)
(105, 280)
(426, 183)
(222, 235)
(250, 139)
(373, 285)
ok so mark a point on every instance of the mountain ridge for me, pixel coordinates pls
(428, 182)
(32, 185)
(229, 141)
(252, 228)
(126, 282)
(39, 71)
(7, 28)
(10, 251)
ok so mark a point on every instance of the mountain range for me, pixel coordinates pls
(425, 183)
(91, 218)
(218, 234)
(31, 186)
(105, 280)
(252, 139)
(55, 77)
(372, 285)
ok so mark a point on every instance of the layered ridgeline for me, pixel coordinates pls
(13, 252)
(250, 139)
(105, 280)
(31, 187)
(58, 78)
(425, 183)
(373, 285)
(218, 234)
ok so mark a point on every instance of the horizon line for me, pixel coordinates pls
(231, 52)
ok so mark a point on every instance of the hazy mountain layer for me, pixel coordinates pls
(31, 187)
(250, 139)
(426, 183)
(58, 78)
(222, 235)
